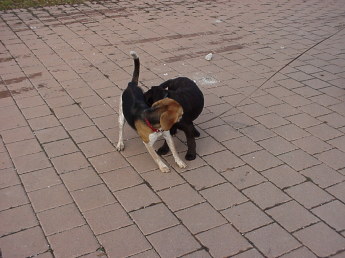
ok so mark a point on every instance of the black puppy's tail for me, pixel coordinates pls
(135, 77)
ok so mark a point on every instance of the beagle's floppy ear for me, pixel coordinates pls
(171, 112)
(168, 119)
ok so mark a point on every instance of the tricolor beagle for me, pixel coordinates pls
(149, 122)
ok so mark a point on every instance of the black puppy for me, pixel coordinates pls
(189, 96)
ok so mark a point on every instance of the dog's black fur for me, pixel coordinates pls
(189, 96)
(133, 98)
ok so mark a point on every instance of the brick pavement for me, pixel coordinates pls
(269, 178)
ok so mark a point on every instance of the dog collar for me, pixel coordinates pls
(151, 127)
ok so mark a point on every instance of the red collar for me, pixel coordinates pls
(151, 127)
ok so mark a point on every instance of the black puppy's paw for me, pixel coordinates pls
(190, 156)
(163, 150)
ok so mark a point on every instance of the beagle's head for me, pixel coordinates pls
(154, 94)
(170, 112)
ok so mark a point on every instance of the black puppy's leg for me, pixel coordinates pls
(195, 132)
(164, 149)
(189, 132)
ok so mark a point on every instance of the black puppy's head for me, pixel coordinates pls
(154, 94)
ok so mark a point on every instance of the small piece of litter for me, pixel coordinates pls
(208, 57)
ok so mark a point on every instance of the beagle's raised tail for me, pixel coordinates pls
(135, 77)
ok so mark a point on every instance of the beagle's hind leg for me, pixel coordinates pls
(120, 145)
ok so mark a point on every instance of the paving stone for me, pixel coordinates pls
(200, 218)
(17, 134)
(291, 132)
(272, 120)
(49, 197)
(143, 162)
(327, 213)
(214, 240)
(299, 160)
(122, 178)
(51, 134)
(69, 162)
(124, 242)
(76, 122)
(154, 218)
(43, 123)
(337, 190)
(203, 177)
(324, 132)
(25, 243)
(17, 219)
(60, 148)
(8, 177)
(180, 242)
(292, 216)
(23, 148)
(257, 132)
(223, 196)
(312, 145)
(261, 160)
(223, 132)
(266, 195)
(338, 143)
(242, 145)
(136, 197)
(272, 240)
(208, 145)
(60, 219)
(243, 177)
(333, 158)
(93, 197)
(283, 176)
(334, 119)
(300, 252)
(284, 110)
(96, 147)
(13, 196)
(246, 217)
(321, 239)
(198, 254)
(31, 162)
(107, 218)
(63, 247)
(308, 194)
(108, 162)
(277, 145)
(323, 175)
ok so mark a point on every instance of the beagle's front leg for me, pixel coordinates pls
(170, 142)
(120, 145)
(149, 146)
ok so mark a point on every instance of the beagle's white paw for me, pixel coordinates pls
(164, 169)
(120, 146)
(181, 164)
